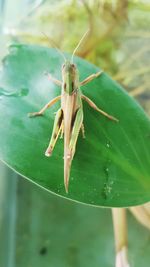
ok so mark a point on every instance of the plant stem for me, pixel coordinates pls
(120, 234)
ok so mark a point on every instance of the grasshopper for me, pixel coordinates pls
(69, 118)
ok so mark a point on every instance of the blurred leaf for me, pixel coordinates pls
(111, 166)
(73, 235)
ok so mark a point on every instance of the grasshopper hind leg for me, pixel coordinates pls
(55, 133)
(62, 130)
(83, 130)
(78, 125)
(68, 156)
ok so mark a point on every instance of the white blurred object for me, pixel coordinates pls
(13, 13)
(121, 258)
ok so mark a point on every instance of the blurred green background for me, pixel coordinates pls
(36, 227)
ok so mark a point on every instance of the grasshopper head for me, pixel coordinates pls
(70, 72)
(70, 77)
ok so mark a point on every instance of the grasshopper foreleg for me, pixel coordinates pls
(48, 105)
(52, 79)
(55, 133)
(91, 77)
(92, 104)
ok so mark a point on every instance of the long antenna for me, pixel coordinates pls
(51, 41)
(76, 48)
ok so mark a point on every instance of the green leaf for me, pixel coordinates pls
(111, 166)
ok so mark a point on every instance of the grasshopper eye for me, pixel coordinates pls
(73, 65)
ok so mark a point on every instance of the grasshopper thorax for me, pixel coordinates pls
(70, 77)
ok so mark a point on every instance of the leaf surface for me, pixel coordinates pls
(111, 166)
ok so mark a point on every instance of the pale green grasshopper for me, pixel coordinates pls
(69, 118)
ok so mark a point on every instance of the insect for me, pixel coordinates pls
(69, 118)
